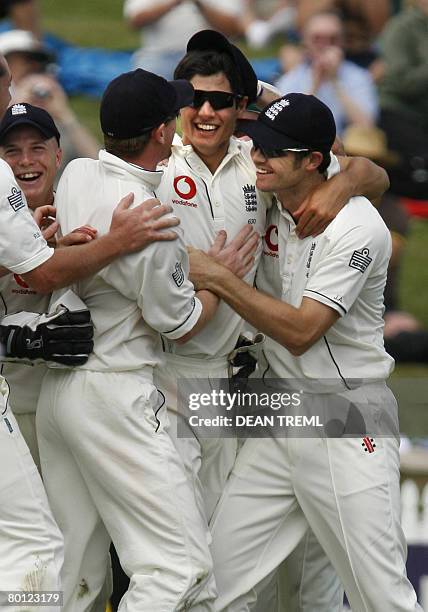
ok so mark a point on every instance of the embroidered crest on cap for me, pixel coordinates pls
(18, 109)
(360, 260)
(178, 274)
(276, 108)
(15, 199)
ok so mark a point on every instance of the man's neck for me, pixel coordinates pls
(291, 199)
(212, 161)
(46, 200)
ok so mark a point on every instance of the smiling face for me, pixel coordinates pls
(277, 173)
(34, 161)
(206, 129)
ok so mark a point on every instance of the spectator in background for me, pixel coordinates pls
(346, 88)
(404, 98)
(167, 26)
(405, 338)
(262, 20)
(375, 13)
(30, 64)
(24, 14)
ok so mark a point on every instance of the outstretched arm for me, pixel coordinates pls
(131, 230)
(297, 329)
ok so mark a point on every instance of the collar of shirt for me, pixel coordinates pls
(122, 167)
(187, 151)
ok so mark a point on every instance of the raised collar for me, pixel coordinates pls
(122, 168)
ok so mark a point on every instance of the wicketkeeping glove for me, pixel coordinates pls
(243, 359)
(63, 335)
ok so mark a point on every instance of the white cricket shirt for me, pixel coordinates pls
(206, 203)
(22, 246)
(345, 268)
(137, 295)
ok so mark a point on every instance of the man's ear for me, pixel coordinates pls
(158, 134)
(58, 157)
(241, 105)
(315, 159)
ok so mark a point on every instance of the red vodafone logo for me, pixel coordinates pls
(20, 281)
(271, 237)
(185, 187)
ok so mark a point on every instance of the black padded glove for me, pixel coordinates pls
(63, 335)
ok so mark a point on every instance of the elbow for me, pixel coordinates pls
(42, 281)
(46, 285)
(297, 349)
(299, 343)
(184, 338)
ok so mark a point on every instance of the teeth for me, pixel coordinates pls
(29, 175)
(206, 127)
(262, 171)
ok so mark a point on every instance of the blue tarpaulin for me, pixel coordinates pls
(87, 70)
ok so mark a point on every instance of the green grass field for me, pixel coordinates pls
(99, 23)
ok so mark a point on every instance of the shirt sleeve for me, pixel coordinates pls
(343, 268)
(157, 277)
(22, 246)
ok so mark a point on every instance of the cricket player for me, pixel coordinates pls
(29, 143)
(31, 545)
(111, 441)
(324, 296)
(210, 181)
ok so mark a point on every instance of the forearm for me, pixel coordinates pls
(355, 114)
(74, 263)
(210, 304)
(360, 176)
(285, 324)
(268, 94)
(230, 25)
(151, 15)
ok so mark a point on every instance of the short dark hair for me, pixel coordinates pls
(207, 63)
(325, 162)
(126, 147)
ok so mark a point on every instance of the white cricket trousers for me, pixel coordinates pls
(348, 496)
(208, 461)
(31, 545)
(306, 582)
(112, 471)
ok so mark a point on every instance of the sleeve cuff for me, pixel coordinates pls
(189, 322)
(324, 299)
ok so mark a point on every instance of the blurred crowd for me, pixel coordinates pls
(368, 61)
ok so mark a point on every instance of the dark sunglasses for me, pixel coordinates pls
(217, 99)
(274, 152)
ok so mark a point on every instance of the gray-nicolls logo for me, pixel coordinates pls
(250, 197)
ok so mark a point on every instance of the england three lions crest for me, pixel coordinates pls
(250, 198)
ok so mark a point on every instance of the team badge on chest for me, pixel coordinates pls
(250, 198)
